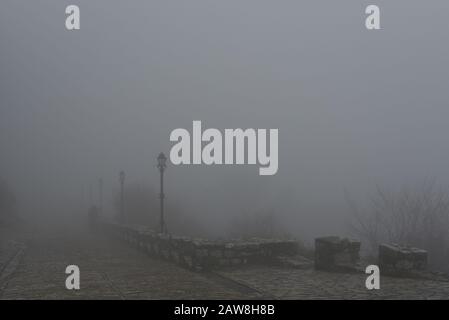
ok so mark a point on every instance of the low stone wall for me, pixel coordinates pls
(332, 253)
(337, 254)
(199, 254)
(397, 260)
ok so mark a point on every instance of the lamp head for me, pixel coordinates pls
(161, 161)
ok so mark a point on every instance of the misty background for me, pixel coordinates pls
(354, 108)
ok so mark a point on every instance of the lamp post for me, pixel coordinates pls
(122, 200)
(161, 164)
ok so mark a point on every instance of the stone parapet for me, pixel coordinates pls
(201, 254)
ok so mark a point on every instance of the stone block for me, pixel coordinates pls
(175, 256)
(399, 260)
(336, 254)
(201, 253)
(188, 261)
(215, 253)
(229, 253)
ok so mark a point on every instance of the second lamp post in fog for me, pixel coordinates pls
(122, 196)
(161, 164)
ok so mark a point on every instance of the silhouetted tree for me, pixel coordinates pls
(410, 217)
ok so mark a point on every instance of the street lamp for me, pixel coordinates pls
(161, 164)
(122, 200)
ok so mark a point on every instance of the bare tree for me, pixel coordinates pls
(411, 217)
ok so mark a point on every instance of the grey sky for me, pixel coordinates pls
(354, 108)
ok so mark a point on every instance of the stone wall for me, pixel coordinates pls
(200, 254)
(332, 253)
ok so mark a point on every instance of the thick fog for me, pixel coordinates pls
(354, 108)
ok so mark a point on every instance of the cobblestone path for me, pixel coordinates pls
(111, 270)
(283, 283)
